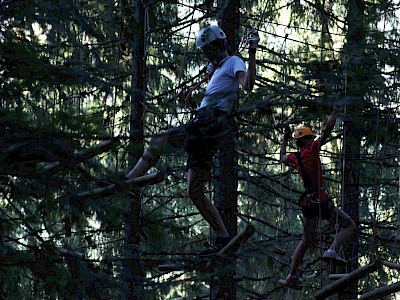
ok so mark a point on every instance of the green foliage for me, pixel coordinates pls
(66, 85)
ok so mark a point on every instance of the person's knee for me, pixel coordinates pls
(194, 188)
(195, 183)
(150, 156)
(157, 143)
(348, 224)
(153, 152)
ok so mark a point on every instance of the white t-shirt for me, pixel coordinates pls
(222, 89)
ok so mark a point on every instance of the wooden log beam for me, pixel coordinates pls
(234, 243)
(184, 264)
(71, 253)
(279, 251)
(79, 157)
(234, 277)
(95, 150)
(336, 276)
(391, 265)
(142, 181)
(352, 277)
(381, 292)
(171, 267)
(138, 182)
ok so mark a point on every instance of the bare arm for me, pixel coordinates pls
(283, 156)
(330, 124)
(248, 79)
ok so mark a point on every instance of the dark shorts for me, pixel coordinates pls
(201, 138)
(207, 133)
(323, 209)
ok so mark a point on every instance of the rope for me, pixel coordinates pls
(398, 219)
(282, 207)
(321, 248)
(398, 212)
(183, 60)
(195, 87)
(179, 79)
(373, 246)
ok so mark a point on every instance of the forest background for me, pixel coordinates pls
(83, 86)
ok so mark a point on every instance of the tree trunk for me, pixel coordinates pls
(225, 185)
(351, 193)
(132, 269)
(352, 139)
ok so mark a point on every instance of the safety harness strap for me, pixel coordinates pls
(197, 85)
(307, 182)
(308, 189)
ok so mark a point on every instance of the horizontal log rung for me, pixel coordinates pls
(381, 292)
(336, 276)
(170, 267)
(343, 282)
(391, 265)
(128, 184)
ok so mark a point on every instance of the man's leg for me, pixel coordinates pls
(162, 142)
(143, 165)
(196, 180)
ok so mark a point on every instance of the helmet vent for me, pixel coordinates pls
(209, 34)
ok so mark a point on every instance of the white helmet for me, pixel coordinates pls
(208, 35)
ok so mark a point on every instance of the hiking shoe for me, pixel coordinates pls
(330, 256)
(292, 282)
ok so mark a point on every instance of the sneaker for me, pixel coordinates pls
(292, 282)
(330, 256)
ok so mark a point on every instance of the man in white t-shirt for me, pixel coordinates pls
(210, 130)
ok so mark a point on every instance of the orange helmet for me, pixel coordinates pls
(302, 131)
